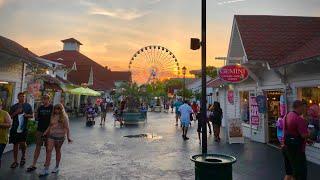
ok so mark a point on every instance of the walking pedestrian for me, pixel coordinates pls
(195, 109)
(104, 110)
(56, 133)
(172, 106)
(20, 113)
(216, 120)
(295, 138)
(185, 111)
(43, 118)
(209, 117)
(5, 124)
(177, 105)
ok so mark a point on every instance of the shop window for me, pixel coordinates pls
(311, 97)
(6, 94)
(244, 106)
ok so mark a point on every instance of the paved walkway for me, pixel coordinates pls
(104, 153)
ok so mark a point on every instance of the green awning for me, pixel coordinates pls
(84, 91)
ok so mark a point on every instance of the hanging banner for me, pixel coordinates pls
(34, 89)
(262, 103)
(254, 111)
(233, 73)
(235, 134)
(230, 96)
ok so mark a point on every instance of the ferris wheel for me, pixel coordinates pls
(152, 63)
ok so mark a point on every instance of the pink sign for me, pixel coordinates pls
(233, 73)
(254, 111)
(230, 96)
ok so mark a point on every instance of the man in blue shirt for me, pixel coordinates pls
(185, 111)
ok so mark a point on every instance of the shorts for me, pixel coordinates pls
(15, 138)
(185, 123)
(178, 114)
(40, 139)
(54, 138)
(103, 114)
(295, 163)
(2, 147)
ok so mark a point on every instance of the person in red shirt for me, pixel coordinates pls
(295, 138)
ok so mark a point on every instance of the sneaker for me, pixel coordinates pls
(44, 172)
(55, 170)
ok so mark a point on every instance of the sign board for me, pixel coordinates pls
(235, 134)
(254, 111)
(233, 73)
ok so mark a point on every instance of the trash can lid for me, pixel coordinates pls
(213, 159)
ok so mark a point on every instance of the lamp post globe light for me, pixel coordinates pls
(184, 70)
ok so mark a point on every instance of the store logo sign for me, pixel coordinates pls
(233, 73)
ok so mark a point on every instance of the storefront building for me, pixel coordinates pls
(283, 65)
(17, 64)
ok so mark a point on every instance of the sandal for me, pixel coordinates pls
(31, 168)
(22, 162)
(14, 165)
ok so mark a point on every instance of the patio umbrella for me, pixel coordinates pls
(84, 91)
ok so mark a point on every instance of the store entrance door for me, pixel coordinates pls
(273, 113)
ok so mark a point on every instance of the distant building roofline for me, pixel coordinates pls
(71, 40)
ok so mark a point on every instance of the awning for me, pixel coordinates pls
(215, 83)
(50, 83)
(52, 87)
(84, 91)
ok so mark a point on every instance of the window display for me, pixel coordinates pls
(244, 106)
(311, 97)
(276, 107)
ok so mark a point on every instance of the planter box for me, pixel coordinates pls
(133, 118)
(157, 109)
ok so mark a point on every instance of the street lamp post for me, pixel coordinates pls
(184, 70)
(205, 168)
(204, 74)
(195, 45)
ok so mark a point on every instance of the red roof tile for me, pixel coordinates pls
(14, 49)
(279, 40)
(121, 75)
(103, 79)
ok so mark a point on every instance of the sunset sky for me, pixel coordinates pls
(113, 30)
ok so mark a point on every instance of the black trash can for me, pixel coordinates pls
(213, 166)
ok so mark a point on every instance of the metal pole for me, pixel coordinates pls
(203, 75)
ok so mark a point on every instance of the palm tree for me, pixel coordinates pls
(132, 94)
